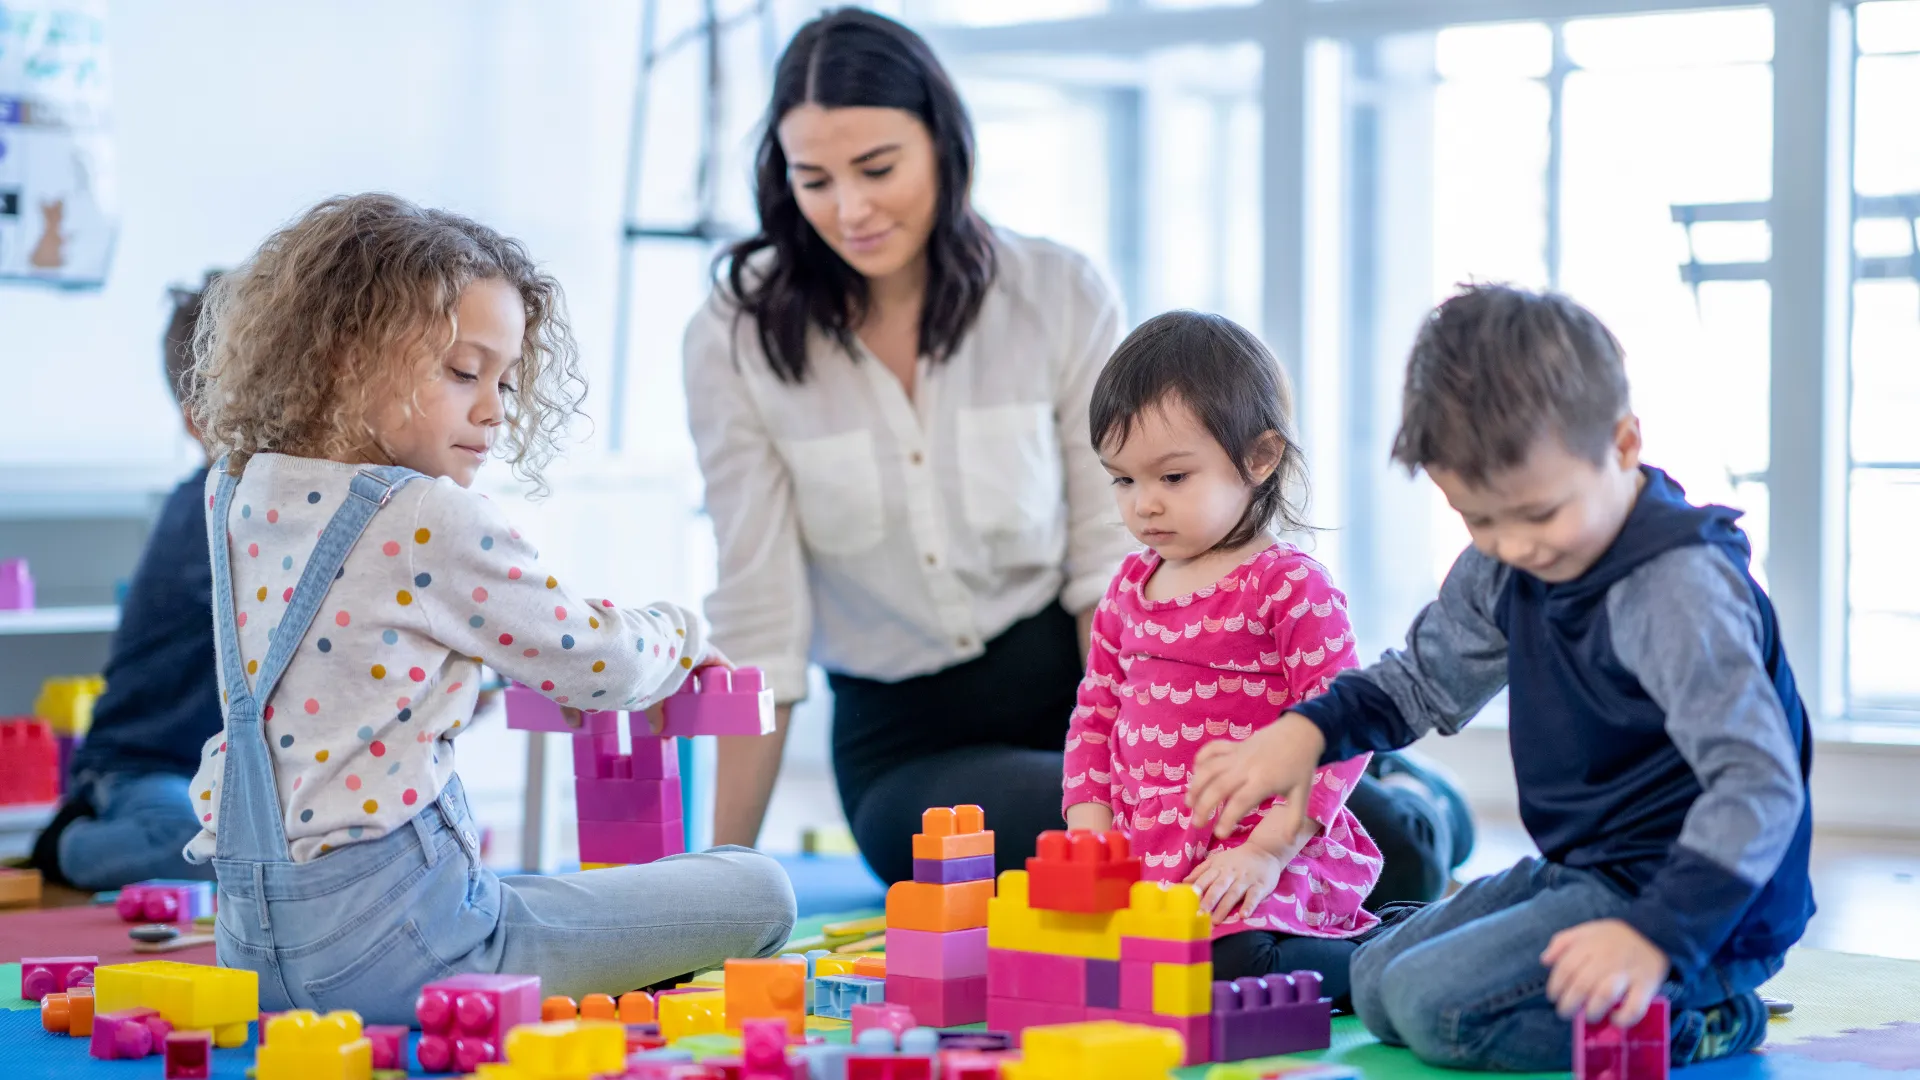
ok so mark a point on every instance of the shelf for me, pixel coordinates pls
(98, 619)
(25, 817)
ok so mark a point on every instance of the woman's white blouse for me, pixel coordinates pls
(885, 537)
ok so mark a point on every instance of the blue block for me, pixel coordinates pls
(835, 995)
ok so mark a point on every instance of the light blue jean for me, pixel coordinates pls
(140, 822)
(1461, 983)
(366, 925)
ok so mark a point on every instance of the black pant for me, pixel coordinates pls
(1263, 952)
(991, 731)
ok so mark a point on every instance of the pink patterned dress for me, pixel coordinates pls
(1167, 676)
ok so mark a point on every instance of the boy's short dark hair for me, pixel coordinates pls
(1495, 369)
(1234, 386)
(177, 343)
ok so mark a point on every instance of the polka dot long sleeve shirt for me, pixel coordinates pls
(1166, 677)
(361, 726)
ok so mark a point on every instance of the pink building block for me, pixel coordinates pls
(43, 975)
(16, 585)
(464, 1020)
(389, 1045)
(1604, 1052)
(716, 701)
(928, 954)
(129, 1033)
(1196, 1031)
(1136, 986)
(627, 800)
(1014, 1016)
(1026, 976)
(530, 710)
(599, 757)
(631, 841)
(1277, 1014)
(164, 901)
(655, 757)
(941, 1002)
(189, 1055)
(890, 1015)
(1154, 951)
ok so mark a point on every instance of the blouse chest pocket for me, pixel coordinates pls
(836, 490)
(1011, 481)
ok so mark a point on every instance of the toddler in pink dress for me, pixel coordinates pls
(1212, 633)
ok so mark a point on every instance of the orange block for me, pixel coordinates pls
(558, 1007)
(772, 989)
(957, 832)
(873, 967)
(597, 1007)
(636, 1007)
(917, 905)
(71, 1012)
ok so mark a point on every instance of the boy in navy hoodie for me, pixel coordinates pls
(1660, 746)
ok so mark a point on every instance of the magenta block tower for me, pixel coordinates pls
(628, 805)
(941, 975)
(464, 1020)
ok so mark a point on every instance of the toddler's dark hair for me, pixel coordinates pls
(1495, 369)
(1236, 389)
(176, 344)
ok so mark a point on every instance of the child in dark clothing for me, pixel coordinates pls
(128, 812)
(1660, 745)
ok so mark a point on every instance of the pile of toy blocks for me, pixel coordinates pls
(132, 1010)
(1077, 937)
(29, 762)
(937, 923)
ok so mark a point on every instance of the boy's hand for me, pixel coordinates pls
(1600, 964)
(1235, 878)
(1279, 759)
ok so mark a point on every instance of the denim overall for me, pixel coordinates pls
(365, 926)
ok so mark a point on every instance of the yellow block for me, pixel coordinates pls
(691, 1014)
(191, 997)
(563, 1049)
(66, 704)
(1164, 912)
(600, 865)
(304, 1046)
(1013, 924)
(1107, 1049)
(834, 965)
(1183, 989)
(855, 928)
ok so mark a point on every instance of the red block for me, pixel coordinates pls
(1082, 871)
(1604, 1052)
(1039, 977)
(940, 1002)
(189, 1055)
(464, 1020)
(29, 762)
(1196, 1030)
(890, 1067)
(627, 800)
(1014, 1016)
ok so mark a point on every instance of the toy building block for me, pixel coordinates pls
(983, 1041)
(192, 997)
(949, 871)
(1164, 912)
(558, 1007)
(164, 901)
(307, 1046)
(888, 1067)
(66, 704)
(958, 832)
(43, 975)
(627, 799)
(887, 1015)
(925, 954)
(389, 1045)
(835, 995)
(16, 585)
(1102, 1048)
(599, 1007)
(635, 1007)
(773, 989)
(941, 1002)
(1195, 1031)
(631, 842)
(1605, 1052)
(464, 1019)
(530, 710)
(1277, 1014)
(1163, 951)
(1082, 870)
(1103, 984)
(716, 701)
(873, 965)
(29, 762)
(699, 1013)
(912, 905)
(834, 964)
(18, 887)
(1015, 1016)
(189, 1055)
(564, 1049)
(970, 1065)
(1187, 989)
(1037, 976)
(1013, 924)
(70, 1013)
(1136, 986)
(127, 1034)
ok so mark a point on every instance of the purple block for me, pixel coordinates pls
(978, 1041)
(530, 710)
(926, 954)
(464, 1019)
(631, 841)
(716, 701)
(1165, 952)
(1103, 984)
(16, 585)
(1025, 976)
(950, 871)
(627, 800)
(1279, 1014)
(1136, 986)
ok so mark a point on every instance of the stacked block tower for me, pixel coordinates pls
(937, 923)
(630, 804)
(1077, 936)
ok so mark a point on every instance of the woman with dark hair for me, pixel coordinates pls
(890, 404)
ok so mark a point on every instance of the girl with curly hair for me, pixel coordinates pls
(354, 375)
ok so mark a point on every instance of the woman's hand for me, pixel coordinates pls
(1235, 777)
(1233, 881)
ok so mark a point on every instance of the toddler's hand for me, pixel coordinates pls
(1236, 877)
(1235, 777)
(713, 658)
(1600, 964)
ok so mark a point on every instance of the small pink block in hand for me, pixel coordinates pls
(716, 701)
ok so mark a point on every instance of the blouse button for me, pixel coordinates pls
(964, 642)
(915, 457)
(932, 559)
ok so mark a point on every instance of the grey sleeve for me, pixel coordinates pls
(1705, 671)
(1454, 662)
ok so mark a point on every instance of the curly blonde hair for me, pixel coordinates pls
(330, 319)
